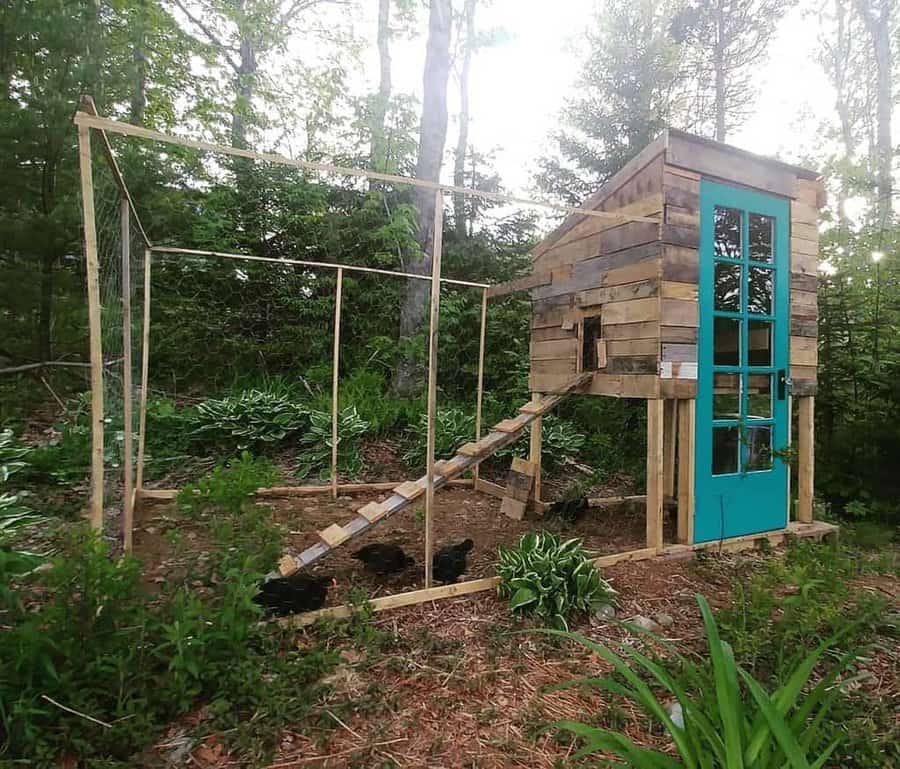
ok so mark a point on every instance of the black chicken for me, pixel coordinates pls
(291, 595)
(382, 558)
(569, 510)
(449, 562)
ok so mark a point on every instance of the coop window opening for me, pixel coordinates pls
(592, 353)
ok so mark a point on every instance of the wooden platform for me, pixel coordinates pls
(817, 530)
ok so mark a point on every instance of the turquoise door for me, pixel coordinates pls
(741, 482)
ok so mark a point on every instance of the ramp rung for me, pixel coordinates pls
(373, 512)
(469, 450)
(450, 467)
(512, 425)
(410, 490)
(334, 535)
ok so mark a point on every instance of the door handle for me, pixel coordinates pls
(782, 384)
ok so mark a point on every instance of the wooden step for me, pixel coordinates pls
(334, 535)
(373, 512)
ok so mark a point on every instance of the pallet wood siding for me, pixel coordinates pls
(808, 196)
(606, 268)
(642, 279)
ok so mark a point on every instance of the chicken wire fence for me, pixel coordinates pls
(122, 262)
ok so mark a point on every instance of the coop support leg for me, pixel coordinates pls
(806, 458)
(686, 416)
(655, 472)
(535, 449)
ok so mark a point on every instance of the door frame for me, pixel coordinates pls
(745, 502)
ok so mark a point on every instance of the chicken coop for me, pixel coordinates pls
(688, 280)
(702, 303)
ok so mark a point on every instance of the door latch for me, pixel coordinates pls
(784, 382)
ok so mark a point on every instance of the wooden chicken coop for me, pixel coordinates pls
(703, 303)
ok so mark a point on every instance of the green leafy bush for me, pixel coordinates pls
(452, 428)
(100, 645)
(229, 486)
(316, 444)
(255, 419)
(13, 512)
(731, 726)
(550, 579)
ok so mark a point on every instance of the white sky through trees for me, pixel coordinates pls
(519, 86)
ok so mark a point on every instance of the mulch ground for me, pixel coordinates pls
(460, 513)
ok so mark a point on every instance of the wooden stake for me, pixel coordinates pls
(92, 265)
(790, 442)
(127, 390)
(480, 386)
(437, 245)
(686, 417)
(145, 371)
(655, 472)
(806, 450)
(535, 449)
(335, 367)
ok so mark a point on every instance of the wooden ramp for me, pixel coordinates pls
(467, 457)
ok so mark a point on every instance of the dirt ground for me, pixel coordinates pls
(460, 513)
(462, 689)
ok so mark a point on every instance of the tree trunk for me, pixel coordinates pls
(719, 66)
(462, 143)
(378, 155)
(839, 63)
(432, 137)
(45, 308)
(244, 81)
(139, 60)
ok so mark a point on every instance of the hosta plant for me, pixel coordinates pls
(727, 720)
(452, 428)
(316, 443)
(255, 419)
(550, 579)
(13, 513)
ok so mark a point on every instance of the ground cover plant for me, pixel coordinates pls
(735, 723)
(550, 579)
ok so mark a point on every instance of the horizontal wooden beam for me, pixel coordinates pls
(126, 129)
(297, 491)
(519, 284)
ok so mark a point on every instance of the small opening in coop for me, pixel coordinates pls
(590, 336)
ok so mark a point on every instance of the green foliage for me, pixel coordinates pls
(254, 420)
(228, 487)
(14, 514)
(452, 428)
(550, 579)
(795, 603)
(561, 443)
(734, 723)
(316, 444)
(99, 644)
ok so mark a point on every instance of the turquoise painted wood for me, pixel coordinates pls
(741, 424)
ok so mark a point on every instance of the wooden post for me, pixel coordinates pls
(669, 437)
(806, 464)
(790, 469)
(535, 449)
(127, 389)
(437, 245)
(92, 265)
(335, 365)
(655, 472)
(480, 386)
(686, 417)
(145, 371)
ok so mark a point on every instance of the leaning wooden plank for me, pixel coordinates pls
(519, 284)
(513, 508)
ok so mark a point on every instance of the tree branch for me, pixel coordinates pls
(210, 35)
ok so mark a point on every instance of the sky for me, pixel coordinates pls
(519, 86)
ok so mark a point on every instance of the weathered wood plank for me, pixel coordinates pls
(640, 330)
(633, 311)
(678, 312)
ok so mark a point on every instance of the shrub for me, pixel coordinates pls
(316, 444)
(13, 512)
(228, 486)
(256, 419)
(729, 727)
(550, 579)
(101, 646)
